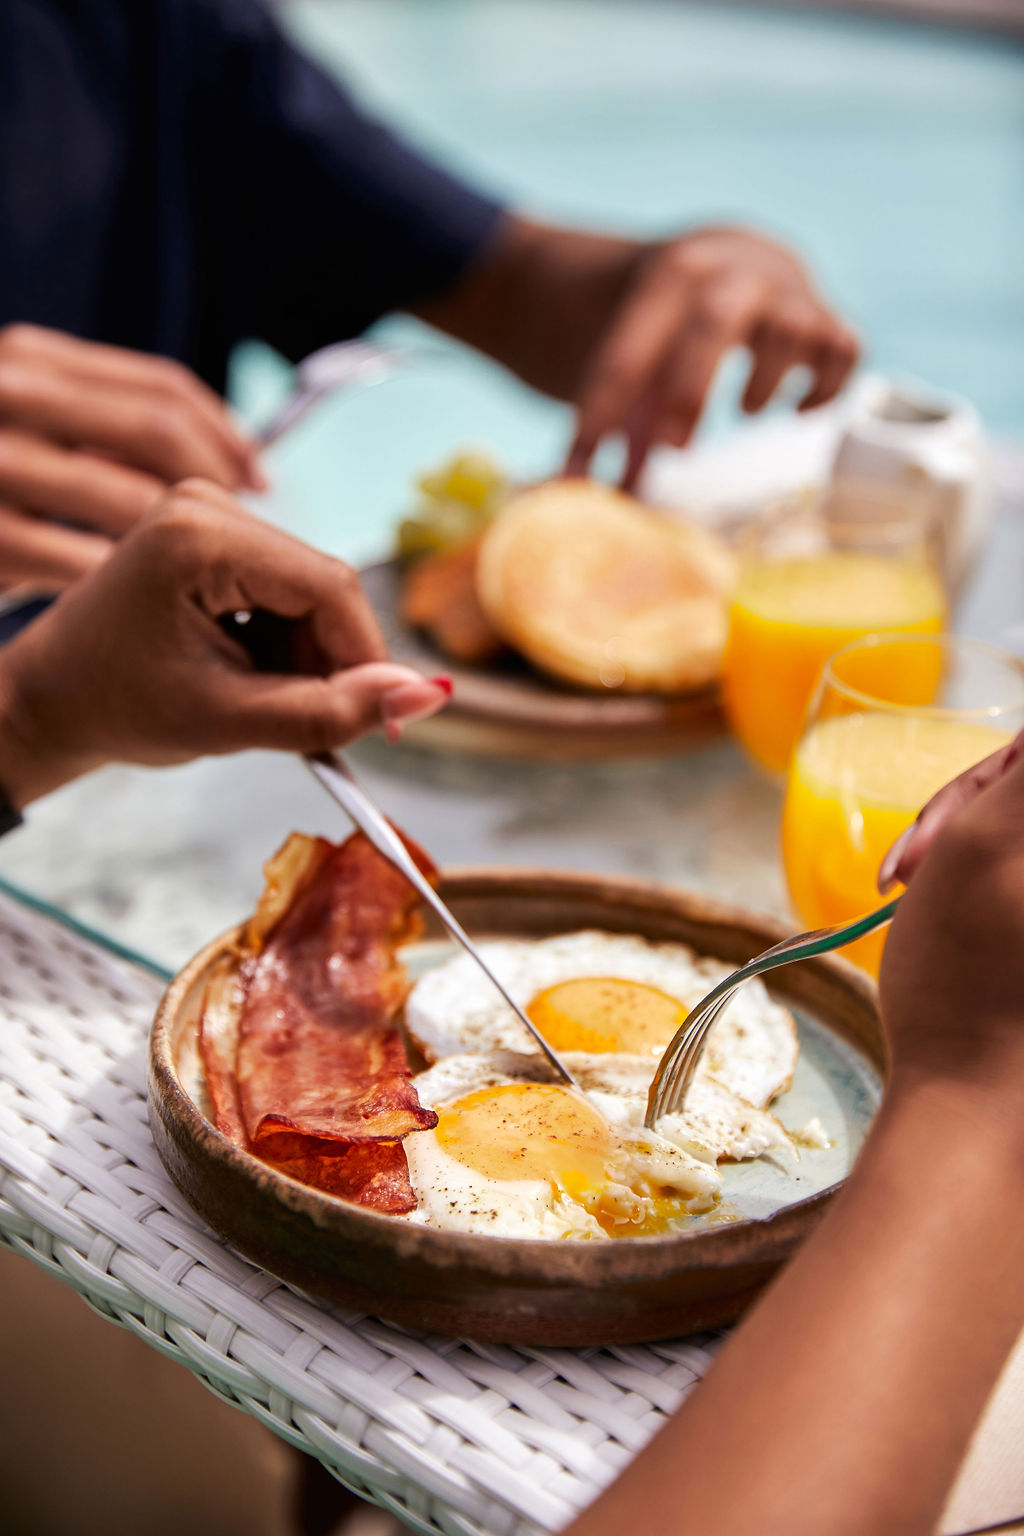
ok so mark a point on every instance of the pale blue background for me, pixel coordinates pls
(891, 153)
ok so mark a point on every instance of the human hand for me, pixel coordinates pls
(689, 302)
(952, 979)
(911, 846)
(132, 664)
(93, 435)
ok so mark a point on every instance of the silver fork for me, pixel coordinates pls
(678, 1066)
(339, 366)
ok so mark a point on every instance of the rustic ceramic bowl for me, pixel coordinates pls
(507, 1289)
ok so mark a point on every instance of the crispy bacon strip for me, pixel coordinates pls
(312, 1076)
(218, 1048)
(372, 1173)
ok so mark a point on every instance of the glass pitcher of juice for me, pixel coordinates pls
(815, 575)
(894, 718)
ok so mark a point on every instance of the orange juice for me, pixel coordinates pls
(855, 782)
(787, 618)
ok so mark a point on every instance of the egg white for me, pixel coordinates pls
(715, 1125)
(454, 1009)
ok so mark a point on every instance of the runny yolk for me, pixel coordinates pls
(602, 1013)
(528, 1131)
(536, 1131)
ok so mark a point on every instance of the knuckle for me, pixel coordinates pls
(195, 489)
(346, 578)
(17, 337)
(174, 376)
(331, 722)
(685, 259)
(164, 429)
(713, 313)
(972, 841)
(11, 383)
(178, 523)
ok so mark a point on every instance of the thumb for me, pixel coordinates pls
(906, 853)
(314, 714)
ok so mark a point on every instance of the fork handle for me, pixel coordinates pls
(818, 941)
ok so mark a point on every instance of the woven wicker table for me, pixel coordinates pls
(452, 1437)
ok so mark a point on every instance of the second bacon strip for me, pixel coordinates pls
(316, 1078)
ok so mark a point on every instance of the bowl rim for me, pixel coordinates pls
(746, 1239)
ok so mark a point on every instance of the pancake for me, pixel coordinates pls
(598, 590)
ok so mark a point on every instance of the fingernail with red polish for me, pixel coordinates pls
(442, 680)
(413, 701)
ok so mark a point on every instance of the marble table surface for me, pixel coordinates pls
(160, 860)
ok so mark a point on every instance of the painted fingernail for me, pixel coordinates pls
(442, 680)
(891, 863)
(413, 701)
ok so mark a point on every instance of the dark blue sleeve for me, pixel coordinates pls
(314, 219)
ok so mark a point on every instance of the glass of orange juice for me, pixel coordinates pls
(894, 717)
(814, 575)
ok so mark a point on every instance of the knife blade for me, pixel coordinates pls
(336, 777)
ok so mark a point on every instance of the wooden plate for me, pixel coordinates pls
(508, 1289)
(510, 711)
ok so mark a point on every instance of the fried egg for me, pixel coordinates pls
(715, 1124)
(513, 1157)
(604, 994)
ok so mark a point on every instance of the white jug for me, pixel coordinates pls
(907, 434)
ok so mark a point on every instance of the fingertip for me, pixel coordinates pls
(888, 872)
(406, 702)
(256, 476)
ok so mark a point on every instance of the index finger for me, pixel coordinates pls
(625, 363)
(92, 361)
(160, 435)
(236, 563)
(719, 318)
(906, 853)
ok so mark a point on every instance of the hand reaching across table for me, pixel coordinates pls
(134, 664)
(845, 1402)
(633, 332)
(90, 438)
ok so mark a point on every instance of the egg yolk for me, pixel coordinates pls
(537, 1131)
(528, 1131)
(602, 1013)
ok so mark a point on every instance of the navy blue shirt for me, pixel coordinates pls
(176, 177)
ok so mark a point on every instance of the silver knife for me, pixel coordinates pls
(336, 777)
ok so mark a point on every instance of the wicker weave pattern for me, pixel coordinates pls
(452, 1437)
